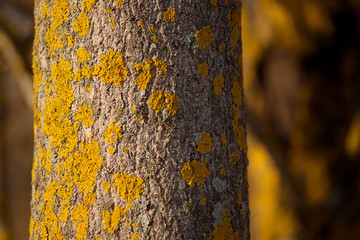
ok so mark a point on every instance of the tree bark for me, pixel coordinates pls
(139, 124)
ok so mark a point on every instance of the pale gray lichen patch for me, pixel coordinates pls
(217, 212)
(218, 184)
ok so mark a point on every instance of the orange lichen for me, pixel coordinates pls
(147, 72)
(156, 101)
(56, 124)
(88, 5)
(128, 187)
(89, 88)
(140, 24)
(170, 15)
(171, 103)
(204, 143)
(83, 55)
(203, 69)
(135, 225)
(135, 236)
(89, 199)
(81, 24)
(223, 138)
(83, 72)
(236, 91)
(85, 115)
(218, 84)
(112, 133)
(111, 68)
(111, 150)
(130, 204)
(224, 230)
(204, 37)
(194, 172)
(127, 224)
(106, 185)
(45, 10)
(213, 2)
(80, 214)
(111, 221)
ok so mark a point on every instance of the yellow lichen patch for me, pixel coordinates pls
(144, 77)
(204, 37)
(170, 15)
(152, 29)
(56, 124)
(223, 138)
(218, 84)
(135, 236)
(80, 214)
(220, 48)
(140, 24)
(112, 133)
(70, 40)
(213, 2)
(127, 224)
(239, 131)
(137, 119)
(89, 199)
(156, 101)
(81, 24)
(203, 69)
(111, 150)
(222, 172)
(236, 91)
(34, 168)
(171, 103)
(130, 204)
(155, 39)
(88, 5)
(45, 10)
(194, 172)
(111, 68)
(84, 165)
(224, 230)
(133, 109)
(111, 221)
(82, 55)
(89, 88)
(203, 200)
(160, 66)
(112, 25)
(128, 187)
(37, 77)
(106, 185)
(85, 115)
(235, 157)
(118, 3)
(135, 225)
(83, 72)
(126, 149)
(45, 161)
(204, 143)
(234, 21)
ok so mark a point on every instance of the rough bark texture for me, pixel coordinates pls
(139, 124)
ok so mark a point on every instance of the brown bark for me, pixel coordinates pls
(139, 124)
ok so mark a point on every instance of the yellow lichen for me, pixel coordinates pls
(106, 185)
(112, 133)
(81, 24)
(127, 224)
(140, 24)
(170, 15)
(137, 119)
(128, 187)
(171, 103)
(204, 37)
(111, 221)
(203, 69)
(118, 3)
(80, 214)
(156, 101)
(84, 165)
(235, 157)
(89, 199)
(147, 72)
(133, 109)
(85, 115)
(160, 66)
(56, 124)
(223, 138)
(135, 225)
(218, 84)
(152, 29)
(82, 55)
(222, 172)
(204, 143)
(89, 88)
(155, 39)
(83, 72)
(70, 40)
(135, 235)
(45, 161)
(194, 172)
(236, 91)
(111, 150)
(213, 2)
(88, 5)
(239, 131)
(45, 10)
(224, 230)
(203, 200)
(220, 48)
(130, 204)
(111, 68)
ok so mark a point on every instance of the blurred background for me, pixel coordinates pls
(301, 68)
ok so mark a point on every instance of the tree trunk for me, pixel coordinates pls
(139, 123)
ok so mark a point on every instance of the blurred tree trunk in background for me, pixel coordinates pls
(16, 118)
(139, 123)
(304, 106)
